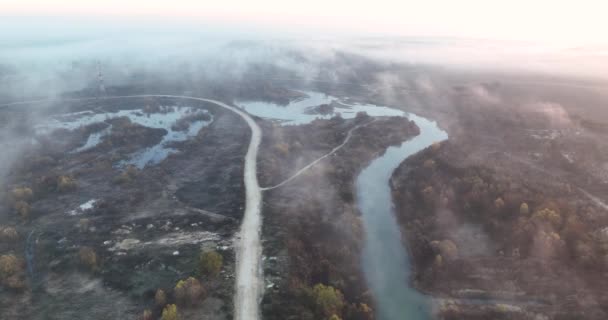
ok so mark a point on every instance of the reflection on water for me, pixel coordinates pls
(386, 263)
(160, 120)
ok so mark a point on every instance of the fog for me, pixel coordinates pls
(42, 57)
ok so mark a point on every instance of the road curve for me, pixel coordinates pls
(249, 276)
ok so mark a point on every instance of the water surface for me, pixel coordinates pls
(386, 263)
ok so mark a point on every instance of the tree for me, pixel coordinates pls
(170, 313)
(147, 315)
(328, 300)
(211, 263)
(9, 265)
(189, 292)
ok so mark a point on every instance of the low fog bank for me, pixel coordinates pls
(443, 78)
(42, 59)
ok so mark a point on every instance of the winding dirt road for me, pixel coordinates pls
(334, 150)
(249, 276)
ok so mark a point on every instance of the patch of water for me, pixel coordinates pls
(151, 155)
(93, 140)
(296, 112)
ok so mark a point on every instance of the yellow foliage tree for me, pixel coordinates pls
(170, 313)
(211, 263)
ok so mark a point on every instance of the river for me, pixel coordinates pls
(386, 263)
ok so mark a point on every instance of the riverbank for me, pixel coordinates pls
(313, 235)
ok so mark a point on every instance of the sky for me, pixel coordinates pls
(564, 22)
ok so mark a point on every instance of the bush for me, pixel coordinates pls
(22, 194)
(88, 258)
(126, 176)
(524, 209)
(361, 311)
(189, 292)
(65, 184)
(211, 263)
(8, 234)
(9, 265)
(160, 298)
(328, 300)
(548, 215)
(23, 209)
(499, 203)
(147, 315)
(446, 248)
(170, 313)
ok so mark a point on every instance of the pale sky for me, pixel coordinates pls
(569, 22)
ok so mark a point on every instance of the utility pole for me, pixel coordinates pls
(102, 87)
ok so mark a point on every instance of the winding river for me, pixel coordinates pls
(385, 261)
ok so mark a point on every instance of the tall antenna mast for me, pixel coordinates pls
(102, 87)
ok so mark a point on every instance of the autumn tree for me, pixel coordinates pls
(170, 313)
(189, 292)
(210, 263)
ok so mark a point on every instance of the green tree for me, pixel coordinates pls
(328, 300)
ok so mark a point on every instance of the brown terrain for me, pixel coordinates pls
(507, 219)
(312, 231)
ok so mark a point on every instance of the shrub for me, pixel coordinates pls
(446, 248)
(499, 203)
(88, 258)
(9, 265)
(160, 298)
(8, 234)
(524, 209)
(548, 215)
(147, 315)
(334, 317)
(66, 183)
(126, 176)
(189, 292)
(22, 194)
(361, 311)
(211, 263)
(328, 300)
(23, 209)
(282, 149)
(170, 313)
